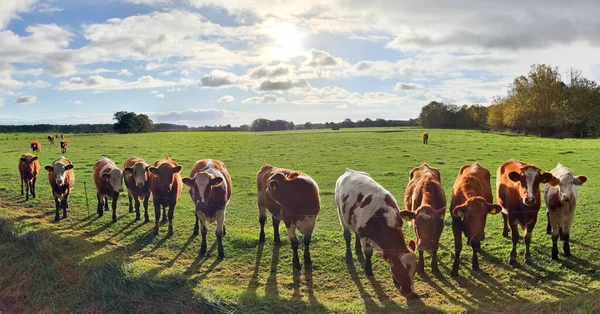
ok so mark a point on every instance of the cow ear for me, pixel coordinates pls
(412, 173)
(293, 175)
(105, 176)
(35, 158)
(23, 159)
(494, 209)
(579, 180)
(153, 170)
(69, 167)
(407, 215)
(273, 185)
(547, 177)
(460, 211)
(412, 245)
(514, 176)
(216, 181)
(188, 181)
(128, 170)
(49, 168)
(177, 169)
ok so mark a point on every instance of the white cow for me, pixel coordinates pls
(560, 206)
(371, 212)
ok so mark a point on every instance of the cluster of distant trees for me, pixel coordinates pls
(130, 122)
(260, 125)
(57, 129)
(440, 115)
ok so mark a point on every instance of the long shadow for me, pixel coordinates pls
(414, 302)
(308, 277)
(443, 292)
(121, 230)
(141, 242)
(199, 278)
(183, 248)
(197, 263)
(157, 245)
(130, 231)
(253, 284)
(585, 245)
(271, 285)
(370, 305)
(579, 265)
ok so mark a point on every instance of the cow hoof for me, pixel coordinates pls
(505, 234)
(512, 261)
(297, 266)
(454, 273)
(195, 233)
(57, 219)
(368, 273)
(568, 255)
(147, 220)
(555, 257)
(221, 256)
(527, 260)
(435, 271)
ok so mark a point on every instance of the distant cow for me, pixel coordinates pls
(425, 138)
(51, 139)
(370, 211)
(29, 168)
(560, 204)
(62, 179)
(108, 179)
(137, 181)
(291, 196)
(210, 189)
(36, 146)
(471, 203)
(165, 184)
(63, 146)
(518, 192)
(425, 204)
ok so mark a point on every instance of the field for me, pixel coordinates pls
(91, 265)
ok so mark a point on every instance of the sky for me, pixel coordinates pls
(209, 62)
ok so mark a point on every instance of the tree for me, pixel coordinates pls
(129, 122)
(308, 125)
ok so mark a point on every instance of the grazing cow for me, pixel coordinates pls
(109, 183)
(560, 205)
(62, 179)
(471, 203)
(425, 204)
(165, 184)
(518, 192)
(36, 146)
(29, 167)
(137, 181)
(371, 212)
(210, 189)
(425, 138)
(291, 196)
(51, 139)
(63, 146)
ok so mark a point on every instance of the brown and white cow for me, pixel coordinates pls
(29, 167)
(210, 189)
(137, 181)
(108, 179)
(471, 203)
(425, 138)
(291, 196)
(63, 146)
(51, 139)
(425, 206)
(62, 179)
(518, 192)
(166, 185)
(370, 211)
(36, 146)
(560, 205)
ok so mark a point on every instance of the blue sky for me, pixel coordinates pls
(199, 62)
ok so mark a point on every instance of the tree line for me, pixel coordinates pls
(440, 115)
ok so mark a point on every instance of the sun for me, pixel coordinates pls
(288, 40)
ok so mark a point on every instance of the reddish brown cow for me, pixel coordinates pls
(51, 139)
(425, 204)
(210, 189)
(518, 192)
(425, 138)
(109, 183)
(62, 179)
(165, 184)
(63, 146)
(470, 205)
(29, 167)
(137, 181)
(36, 146)
(293, 197)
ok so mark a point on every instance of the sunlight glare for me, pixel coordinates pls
(287, 40)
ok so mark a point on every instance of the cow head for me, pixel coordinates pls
(530, 178)
(403, 265)
(200, 187)
(59, 169)
(115, 179)
(567, 182)
(29, 159)
(139, 172)
(165, 173)
(425, 169)
(475, 211)
(428, 224)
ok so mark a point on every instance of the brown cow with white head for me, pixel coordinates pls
(108, 179)
(62, 179)
(137, 181)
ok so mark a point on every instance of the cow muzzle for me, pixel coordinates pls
(59, 181)
(564, 197)
(529, 201)
(139, 184)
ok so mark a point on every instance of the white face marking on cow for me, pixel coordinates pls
(116, 180)
(410, 260)
(59, 173)
(424, 215)
(567, 188)
(530, 174)
(202, 180)
(139, 174)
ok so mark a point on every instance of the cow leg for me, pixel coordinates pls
(146, 199)
(515, 239)
(262, 219)
(33, 184)
(137, 207)
(421, 263)
(475, 261)
(57, 214)
(26, 190)
(434, 262)
(276, 238)
(566, 246)
(291, 230)
(196, 227)
(114, 206)
(219, 233)
(527, 239)
(130, 201)
(171, 211)
(64, 206)
(457, 230)
(555, 247)
(156, 215)
(22, 193)
(505, 225)
(106, 203)
(348, 239)
(307, 238)
(368, 249)
(548, 226)
(204, 231)
(164, 214)
(100, 205)
(357, 245)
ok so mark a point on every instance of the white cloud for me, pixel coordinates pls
(47, 8)
(265, 71)
(219, 78)
(24, 100)
(148, 2)
(407, 86)
(100, 83)
(161, 96)
(264, 99)
(125, 72)
(285, 85)
(77, 102)
(1, 102)
(154, 92)
(226, 98)
(343, 106)
(201, 117)
(166, 73)
(10, 8)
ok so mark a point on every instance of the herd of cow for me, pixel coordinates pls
(37, 146)
(365, 208)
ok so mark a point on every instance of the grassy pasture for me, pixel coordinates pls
(88, 264)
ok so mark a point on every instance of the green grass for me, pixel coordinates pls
(88, 264)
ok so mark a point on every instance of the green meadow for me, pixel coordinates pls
(88, 264)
